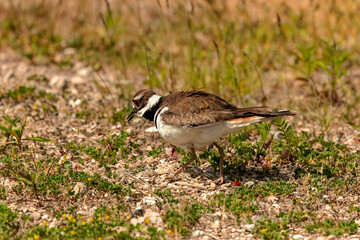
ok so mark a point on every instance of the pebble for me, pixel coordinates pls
(35, 215)
(249, 183)
(45, 216)
(321, 238)
(154, 217)
(248, 227)
(79, 188)
(298, 237)
(149, 201)
(212, 185)
(139, 211)
(272, 199)
(216, 224)
(198, 233)
(57, 82)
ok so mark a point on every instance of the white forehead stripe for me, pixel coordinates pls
(138, 98)
(153, 100)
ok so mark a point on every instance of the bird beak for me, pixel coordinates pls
(131, 115)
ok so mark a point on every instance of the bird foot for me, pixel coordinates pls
(173, 152)
(219, 181)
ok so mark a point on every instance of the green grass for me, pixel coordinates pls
(306, 58)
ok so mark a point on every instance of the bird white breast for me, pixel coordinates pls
(197, 137)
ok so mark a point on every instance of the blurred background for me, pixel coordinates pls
(302, 55)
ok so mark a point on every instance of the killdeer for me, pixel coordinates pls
(193, 120)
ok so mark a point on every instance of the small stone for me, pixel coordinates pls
(92, 210)
(77, 80)
(57, 82)
(198, 233)
(79, 188)
(84, 72)
(212, 185)
(136, 221)
(321, 238)
(120, 229)
(298, 237)
(35, 215)
(45, 216)
(249, 184)
(154, 217)
(276, 206)
(139, 211)
(248, 227)
(53, 224)
(216, 224)
(149, 201)
(272, 199)
(340, 199)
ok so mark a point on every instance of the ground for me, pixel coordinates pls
(71, 167)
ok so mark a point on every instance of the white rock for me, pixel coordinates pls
(272, 199)
(45, 216)
(84, 72)
(79, 188)
(92, 210)
(120, 229)
(198, 233)
(216, 224)
(57, 82)
(35, 215)
(77, 80)
(321, 238)
(154, 217)
(69, 51)
(149, 201)
(276, 206)
(248, 227)
(298, 237)
(249, 183)
(53, 224)
(136, 221)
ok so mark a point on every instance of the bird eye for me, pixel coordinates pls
(137, 103)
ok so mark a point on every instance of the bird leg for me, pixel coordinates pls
(193, 157)
(220, 180)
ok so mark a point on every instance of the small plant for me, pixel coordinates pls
(268, 229)
(329, 227)
(182, 219)
(333, 62)
(14, 132)
(9, 222)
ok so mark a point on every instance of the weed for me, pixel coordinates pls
(329, 227)
(333, 62)
(182, 219)
(14, 132)
(9, 222)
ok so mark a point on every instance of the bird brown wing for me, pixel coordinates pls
(196, 108)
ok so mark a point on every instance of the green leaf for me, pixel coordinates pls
(39, 139)
(13, 123)
(5, 129)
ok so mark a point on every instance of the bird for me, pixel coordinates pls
(194, 119)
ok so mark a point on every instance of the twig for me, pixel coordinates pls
(264, 98)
